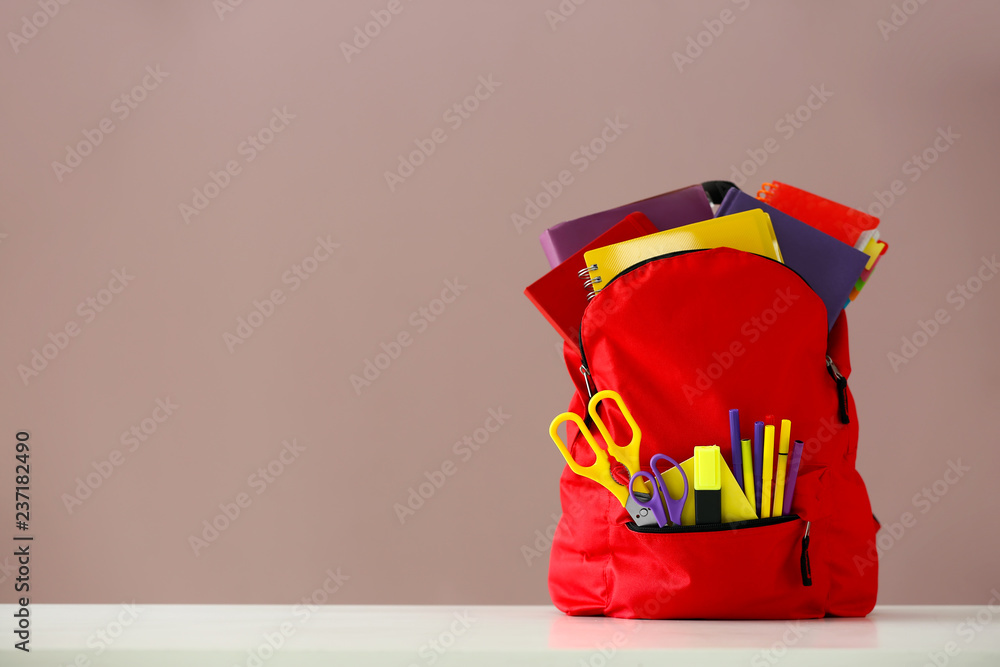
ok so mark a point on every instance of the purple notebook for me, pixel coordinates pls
(666, 211)
(830, 266)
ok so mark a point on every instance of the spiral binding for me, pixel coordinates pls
(584, 274)
(766, 190)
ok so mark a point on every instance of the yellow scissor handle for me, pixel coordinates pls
(600, 469)
(628, 455)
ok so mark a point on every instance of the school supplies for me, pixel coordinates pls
(750, 231)
(600, 470)
(734, 441)
(839, 221)
(735, 506)
(665, 508)
(793, 474)
(758, 461)
(779, 475)
(654, 332)
(748, 483)
(707, 485)
(874, 249)
(557, 294)
(830, 266)
(665, 211)
(767, 472)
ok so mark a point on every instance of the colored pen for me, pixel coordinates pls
(793, 474)
(758, 458)
(779, 475)
(734, 441)
(748, 485)
(768, 472)
(707, 485)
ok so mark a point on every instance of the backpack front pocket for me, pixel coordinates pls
(749, 569)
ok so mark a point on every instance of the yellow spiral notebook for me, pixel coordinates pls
(750, 231)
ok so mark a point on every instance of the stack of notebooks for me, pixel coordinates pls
(833, 247)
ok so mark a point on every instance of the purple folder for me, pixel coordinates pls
(666, 211)
(828, 265)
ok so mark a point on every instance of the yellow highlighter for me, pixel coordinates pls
(707, 485)
(767, 472)
(748, 485)
(779, 477)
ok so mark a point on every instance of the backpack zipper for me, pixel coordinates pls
(831, 367)
(804, 565)
(804, 559)
(841, 381)
(587, 377)
(713, 527)
(584, 368)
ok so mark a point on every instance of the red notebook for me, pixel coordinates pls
(839, 221)
(559, 294)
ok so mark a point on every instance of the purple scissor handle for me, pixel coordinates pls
(662, 505)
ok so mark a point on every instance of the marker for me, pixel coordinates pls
(758, 458)
(768, 472)
(707, 485)
(734, 441)
(793, 474)
(779, 477)
(748, 485)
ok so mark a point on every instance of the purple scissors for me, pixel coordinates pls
(661, 504)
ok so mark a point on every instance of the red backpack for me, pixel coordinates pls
(684, 338)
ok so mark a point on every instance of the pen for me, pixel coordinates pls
(758, 457)
(748, 484)
(779, 477)
(793, 473)
(734, 441)
(768, 472)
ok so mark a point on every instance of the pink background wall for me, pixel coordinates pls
(161, 336)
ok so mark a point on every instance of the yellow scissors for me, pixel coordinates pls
(600, 470)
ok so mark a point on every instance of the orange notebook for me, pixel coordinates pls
(559, 294)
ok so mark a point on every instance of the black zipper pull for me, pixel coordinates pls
(804, 560)
(841, 389)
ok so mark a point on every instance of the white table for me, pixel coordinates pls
(194, 635)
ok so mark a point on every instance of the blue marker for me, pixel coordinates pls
(758, 460)
(737, 447)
